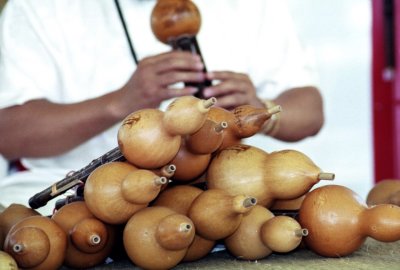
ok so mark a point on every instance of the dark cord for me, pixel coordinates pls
(121, 16)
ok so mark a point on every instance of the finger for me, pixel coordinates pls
(175, 61)
(180, 76)
(171, 92)
(226, 75)
(230, 101)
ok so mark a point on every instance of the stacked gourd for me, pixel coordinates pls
(167, 219)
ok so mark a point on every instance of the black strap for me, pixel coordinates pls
(121, 16)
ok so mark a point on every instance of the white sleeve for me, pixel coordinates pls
(27, 69)
(284, 58)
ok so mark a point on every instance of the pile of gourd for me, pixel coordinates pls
(152, 202)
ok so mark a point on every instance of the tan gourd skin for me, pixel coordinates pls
(245, 243)
(189, 166)
(172, 18)
(244, 169)
(89, 240)
(157, 237)
(383, 191)
(243, 122)
(238, 170)
(186, 115)
(142, 186)
(216, 214)
(207, 139)
(395, 198)
(282, 234)
(144, 141)
(292, 204)
(338, 221)
(103, 193)
(11, 215)
(179, 199)
(36, 242)
(7, 262)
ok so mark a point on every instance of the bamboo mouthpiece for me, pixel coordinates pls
(95, 240)
(326, 176)
(249, 202)
(160, 181)
(17, 248)
(275, 109)
(185, 227)
(207, 103)
(301, 232)
(220, 127)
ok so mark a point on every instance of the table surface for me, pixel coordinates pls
(373, 255)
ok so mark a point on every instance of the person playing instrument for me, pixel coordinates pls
(68, 78)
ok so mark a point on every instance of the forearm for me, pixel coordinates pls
(40, 128)
(302, 114)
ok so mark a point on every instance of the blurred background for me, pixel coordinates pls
(337, 36)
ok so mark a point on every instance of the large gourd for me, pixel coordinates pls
(385, 191)
(150, 138)
(10, 216)
(104, 195)
(338, 221)
(36, 243)
(180, 198)
(244, 169)
(157, 237)
(89, 239)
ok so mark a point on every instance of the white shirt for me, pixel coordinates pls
(71, 50)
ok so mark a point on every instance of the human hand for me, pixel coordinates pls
(153, 80)
(232, 90)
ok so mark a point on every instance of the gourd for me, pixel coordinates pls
(260, 233)
(245, 243)
(36, 242)
(282, 234)
(144, 141)
(89, 240)
(150, 138)
(11, 215)
(157, 237)
(385, 191)
(216, 214)
(338, 221)
(7, 262)
(244, 169)
(180, 198)
(189, 166)
(104, 195)
(186, 115)
(170, 19)
(243, 122)
(207, 139)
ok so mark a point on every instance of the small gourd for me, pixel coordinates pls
(226, 212)
(36, 243)
(384, 192)
(245, 243)
(11, 215)
(89, 239)
(104, 195)
(282, 234)
(157, 237)
(243, 122)
(207, 139)
(179, 198)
